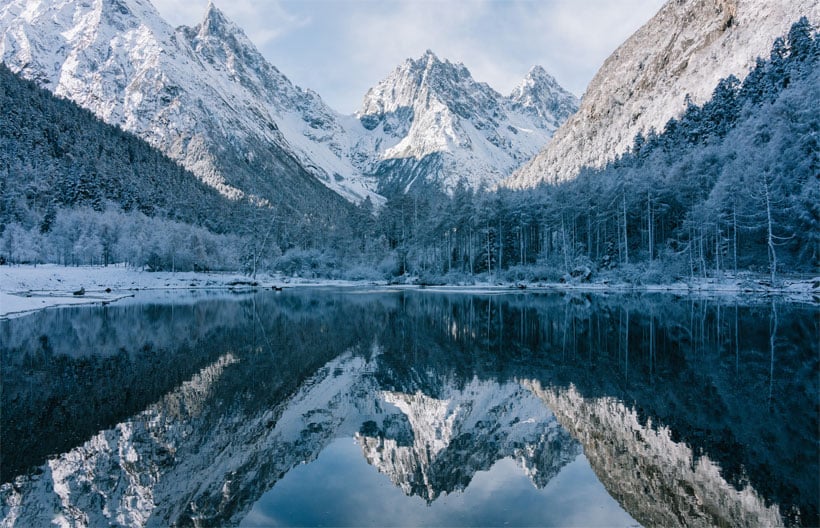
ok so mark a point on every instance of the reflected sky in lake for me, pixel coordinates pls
(326, 407)
(340, 488)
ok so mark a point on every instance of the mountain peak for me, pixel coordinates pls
(434, 112)
(212, 12)
(537, 71)
(537, 78)
(540, 94)
(427, 61)
(539, 74)
(215, 22)
(219, 40)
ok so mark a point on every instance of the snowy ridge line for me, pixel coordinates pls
(428, 108)
(205, 94)
(196, 93)
(680, 54)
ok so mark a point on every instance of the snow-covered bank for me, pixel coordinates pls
(18, 304)
(24, 289)
(790, 289)
(27, 288)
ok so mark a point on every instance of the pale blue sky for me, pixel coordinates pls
(340, 48)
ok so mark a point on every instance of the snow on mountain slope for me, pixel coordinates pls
(540, 95)
(206, 97)
(685, 49)
(430, 119)
(203, 95)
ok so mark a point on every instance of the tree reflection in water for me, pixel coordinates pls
(690, 411)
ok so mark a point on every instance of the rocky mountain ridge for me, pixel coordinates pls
(676, 57)
(203, 95)
(206, 97)
(431, 114)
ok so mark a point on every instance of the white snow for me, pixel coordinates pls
(187, 91)
(428, 106)
(684, 50)
(28, 288)
(191, 91)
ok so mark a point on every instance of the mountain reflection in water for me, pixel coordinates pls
(689, 412)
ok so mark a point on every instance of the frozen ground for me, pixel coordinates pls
(25, 289)
(28, 288)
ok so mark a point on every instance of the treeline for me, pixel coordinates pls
(83, 236)
(731, 185)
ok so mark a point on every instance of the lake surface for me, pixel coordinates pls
(331, 407)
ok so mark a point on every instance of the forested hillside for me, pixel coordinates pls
(75, 190)
(55, 154)
(731, 185)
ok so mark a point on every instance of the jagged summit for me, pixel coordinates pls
(541, 94)
(216, 23)
(224, 44)
(414, 78)
(204, 95)
(428, 56)
(430, 121)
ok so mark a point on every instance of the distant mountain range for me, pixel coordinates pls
(430, 121)
(662, 103)
(206, 97)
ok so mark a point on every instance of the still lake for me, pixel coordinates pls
(334, 407)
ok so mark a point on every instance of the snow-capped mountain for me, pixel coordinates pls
(430, 119)
(683, 51)
(206, 97)
(540, 95)
(203, 95)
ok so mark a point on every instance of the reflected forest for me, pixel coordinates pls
(690, 411)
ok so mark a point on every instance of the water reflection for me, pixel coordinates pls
(689, 412)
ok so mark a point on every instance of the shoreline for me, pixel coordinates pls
(27, 289)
